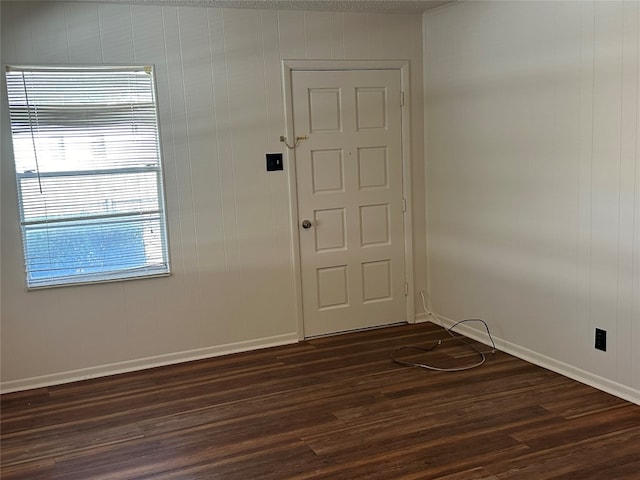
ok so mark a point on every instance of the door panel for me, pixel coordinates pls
(349, 183)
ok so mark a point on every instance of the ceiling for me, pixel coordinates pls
(361, 6)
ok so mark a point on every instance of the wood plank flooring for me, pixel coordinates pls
(330, 408)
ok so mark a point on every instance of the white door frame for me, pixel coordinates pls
(288, 67)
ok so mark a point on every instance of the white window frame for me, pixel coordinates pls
(143, 221)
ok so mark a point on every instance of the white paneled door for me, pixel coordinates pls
(350, 198)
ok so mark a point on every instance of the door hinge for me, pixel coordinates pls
(406, 288)
(404, 204)
(402, 99)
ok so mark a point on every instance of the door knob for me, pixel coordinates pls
(306, 224)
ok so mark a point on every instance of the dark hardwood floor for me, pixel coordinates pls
(330, 408)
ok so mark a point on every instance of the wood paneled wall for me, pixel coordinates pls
(533, 179)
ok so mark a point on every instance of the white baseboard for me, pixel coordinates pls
(614, 388)
(144, 363)
(601, 383)
(420, 318)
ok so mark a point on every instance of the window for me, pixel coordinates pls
(88, 172)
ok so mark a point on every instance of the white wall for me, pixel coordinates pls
(221, 109)
(533, 179)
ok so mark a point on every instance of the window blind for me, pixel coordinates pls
(89, 173)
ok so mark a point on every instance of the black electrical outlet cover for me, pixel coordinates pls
(601, 339)
(274, 162)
